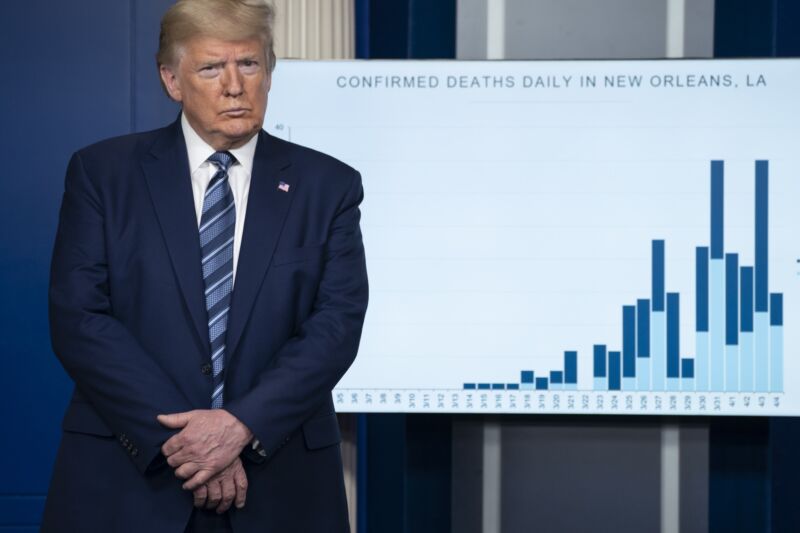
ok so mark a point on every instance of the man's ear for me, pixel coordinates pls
(171, 82)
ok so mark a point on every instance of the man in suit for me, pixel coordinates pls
(208, 289)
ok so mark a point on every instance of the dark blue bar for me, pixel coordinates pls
(526, 376)
(643, 328)
(556, 376)
(731, 299)
(512, 386)
(658, 275)
(469, 386)
(673, 335)
(776, 309)
(498, 386)
(614, 371)
(717, 208)
(599, 360)
(541, 383)
(484, 386)
(746, 298)
(762, 234)
(701, 286)
(687, 368)
(628, 341)
(571, 367)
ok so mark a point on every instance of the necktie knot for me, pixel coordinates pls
(223, 160)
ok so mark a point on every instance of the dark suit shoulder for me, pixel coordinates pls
(122, 147)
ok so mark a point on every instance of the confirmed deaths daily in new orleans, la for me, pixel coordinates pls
(568, 237)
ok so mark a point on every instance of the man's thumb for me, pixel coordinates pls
(174, 421)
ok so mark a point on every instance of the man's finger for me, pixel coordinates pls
(228, 493)
(200, 495)
(201, 477)
(214, 495)
(175, 420)
(240, 479)
(173, 445)
(178, 458)
(186, 471)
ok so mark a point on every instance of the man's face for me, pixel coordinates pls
(223, 88)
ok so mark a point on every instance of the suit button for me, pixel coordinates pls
(206, 369)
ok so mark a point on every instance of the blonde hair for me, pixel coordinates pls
(229, 20)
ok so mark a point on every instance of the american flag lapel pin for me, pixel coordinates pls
(283, 186)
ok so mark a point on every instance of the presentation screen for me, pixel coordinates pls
(586, 237)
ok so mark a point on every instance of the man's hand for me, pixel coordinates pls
(209, 441)
(229, 486)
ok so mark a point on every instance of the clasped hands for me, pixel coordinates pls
(205, 453)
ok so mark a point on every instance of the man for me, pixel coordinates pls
(208, 289)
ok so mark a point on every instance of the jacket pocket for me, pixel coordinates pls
(82, 418)
(322, 432)
(297, 255)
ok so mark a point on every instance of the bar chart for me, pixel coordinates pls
(611, 246)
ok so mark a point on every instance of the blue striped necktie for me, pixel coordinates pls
(217, 225)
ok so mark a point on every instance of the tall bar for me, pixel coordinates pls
(746, 369)
(776, 342)
(614, 371)
(701, 319)
(673, 341)
(762, 236)
(628, 347)
(658, 319)
(716, 285)
(717, 209)
(761, 319)
(658, 275)
(570, 370)
(731, 322)
(643, 345)
(600, 373)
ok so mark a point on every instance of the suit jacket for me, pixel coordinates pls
(128, 322)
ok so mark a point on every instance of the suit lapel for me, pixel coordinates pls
(169, 183)
(267, 206)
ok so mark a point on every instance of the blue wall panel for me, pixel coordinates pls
(71, 78)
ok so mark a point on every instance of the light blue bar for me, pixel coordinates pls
(643, 373)
(570, 386)
(556, 386)
(746, 381)
(673, 384)
(601, 384)
(658, 348)
(701, 360)
(628, 383)
(776, 360)
(732, 368)
(527, 386)
(716, 316)
(687, 384)
(761, 333)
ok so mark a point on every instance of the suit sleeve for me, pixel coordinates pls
(310, 364)
(110, 368)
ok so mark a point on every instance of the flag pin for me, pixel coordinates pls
(283, 186)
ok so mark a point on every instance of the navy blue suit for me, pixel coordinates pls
(128, 322)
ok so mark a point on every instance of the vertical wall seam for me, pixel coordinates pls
(133, 65)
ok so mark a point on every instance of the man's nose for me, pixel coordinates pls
(232, 80)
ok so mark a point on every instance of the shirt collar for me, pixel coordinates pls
(199, 151)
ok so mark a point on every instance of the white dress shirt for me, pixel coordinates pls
(238, 177)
